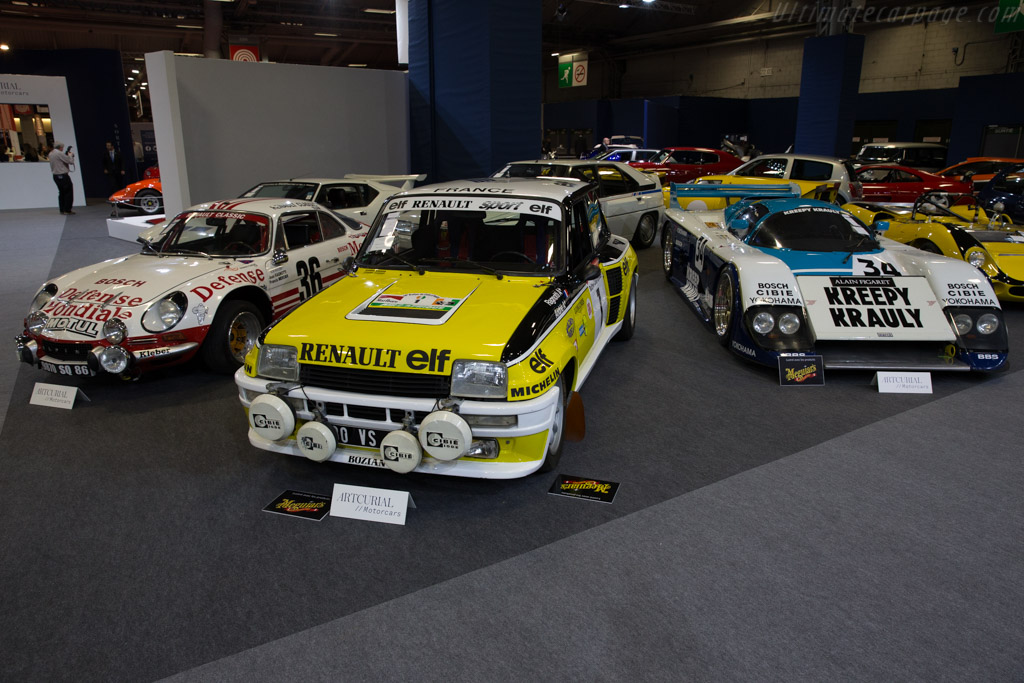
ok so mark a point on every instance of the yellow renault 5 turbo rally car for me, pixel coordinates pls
(473, 312)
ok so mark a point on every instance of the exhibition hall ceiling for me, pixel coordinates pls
(362, 32)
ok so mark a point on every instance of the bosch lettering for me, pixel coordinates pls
(120, 281)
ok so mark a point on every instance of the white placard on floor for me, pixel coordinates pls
(373, 505)
(903, 382)
(55, 395)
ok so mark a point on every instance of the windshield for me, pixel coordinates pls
(813, 228)
(217, 233)
(284, 190)
(445, 233)
(877, 153)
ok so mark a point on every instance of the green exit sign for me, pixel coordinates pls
(1011, 16)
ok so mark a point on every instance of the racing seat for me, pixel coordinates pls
(248, 233)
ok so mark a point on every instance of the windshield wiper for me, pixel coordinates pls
(856, 247)
(179, 250)
(475, 264)
(418, 268)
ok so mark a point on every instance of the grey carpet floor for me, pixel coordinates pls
(759, 532)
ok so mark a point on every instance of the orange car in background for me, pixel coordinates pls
(978, 170)
(146, 195)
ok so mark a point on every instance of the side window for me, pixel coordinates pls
(805, 169)
(615, 182)
(301, 230)
(330, 226)
(587, 230)
(346, 196)
(584, 173)
(904, 177)
(708, 158)
(766, 168)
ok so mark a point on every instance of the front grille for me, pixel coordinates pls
(614, 281)
(373, 413)
(376, 382)
(69, 351)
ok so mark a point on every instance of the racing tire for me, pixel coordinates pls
(666, 252)
(926, 245)
(233, 333)
(646, 231)
(629, 318)
(723, 315)
(554, 453)
(149, 201)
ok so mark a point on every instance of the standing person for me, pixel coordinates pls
(113, 168)
(60, 167)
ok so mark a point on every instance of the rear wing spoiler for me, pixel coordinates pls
(826, 191)
(402, 182)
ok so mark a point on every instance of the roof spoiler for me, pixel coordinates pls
(402, 182)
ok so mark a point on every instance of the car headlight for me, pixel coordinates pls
(277, 361)
(963, 323)
(764, 322)
(976, 258)
(43, 297)
(789, 323)
(479, 379)
(114, 360)
(114, 331)
(35, 322)
(987, 323)
(165, 313)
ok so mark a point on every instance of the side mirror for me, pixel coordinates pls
(591, 272)
(348, 265)
(279, 258)
(881, 226)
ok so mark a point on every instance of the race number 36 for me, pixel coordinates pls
(309, 277)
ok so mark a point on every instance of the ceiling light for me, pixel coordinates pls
(357, 65)
(131, 78)
(624, 5)
(4, 47)
(140, 59)
(186, 26)
(145, 83)
(327, 35)
(647, 2)
(135, 71)
(371, 10)
(554, 54)
(19, 2)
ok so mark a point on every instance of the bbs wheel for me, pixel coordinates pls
(554, 453)
(646, 231)
(233, 333)
(149, 201)
(666, 251)
(629, 318)
(725, 292)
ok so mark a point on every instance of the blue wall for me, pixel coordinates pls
(95, 81)
(828, 92)
(980, 101)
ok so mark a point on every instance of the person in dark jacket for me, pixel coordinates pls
(113, 168)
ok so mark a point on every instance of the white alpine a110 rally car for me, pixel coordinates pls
(775, 275)
(219, 272)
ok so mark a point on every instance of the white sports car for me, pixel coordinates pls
(219, 272)
(776, 275)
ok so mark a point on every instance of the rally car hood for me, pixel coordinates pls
(468, 315)
(140, 276)
(866, 296)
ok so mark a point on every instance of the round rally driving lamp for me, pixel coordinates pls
(114, 331)
(789, 323)
(987, 323)
(271, 417)
(114, 360)
(445, 435)
(36, 321)
(316, 441)
(401, 451)
(764, 322)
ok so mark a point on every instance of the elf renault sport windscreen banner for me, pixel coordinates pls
(880, 308)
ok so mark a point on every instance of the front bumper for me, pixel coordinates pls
(83, 358)
(521, 447)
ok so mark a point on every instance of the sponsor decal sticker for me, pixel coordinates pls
(801, 371)
(254, 276)
(201, 311)
(434, 360)
(86, 328)
(967, 294)
(776, 293)
(584, 488)
(313, 506)
(570, 326)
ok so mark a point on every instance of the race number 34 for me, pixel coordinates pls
(870, 267)
(309, 277)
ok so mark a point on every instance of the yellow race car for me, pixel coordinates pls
(955, 225)
(468, 320)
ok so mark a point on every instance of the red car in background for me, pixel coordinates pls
(683, 164)
(885, 183)
(977, 171)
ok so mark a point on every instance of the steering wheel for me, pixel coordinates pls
(941, 201)
(250, 249)
(513, 253)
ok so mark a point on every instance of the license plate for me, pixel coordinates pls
(359, 436)
(67, 369)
